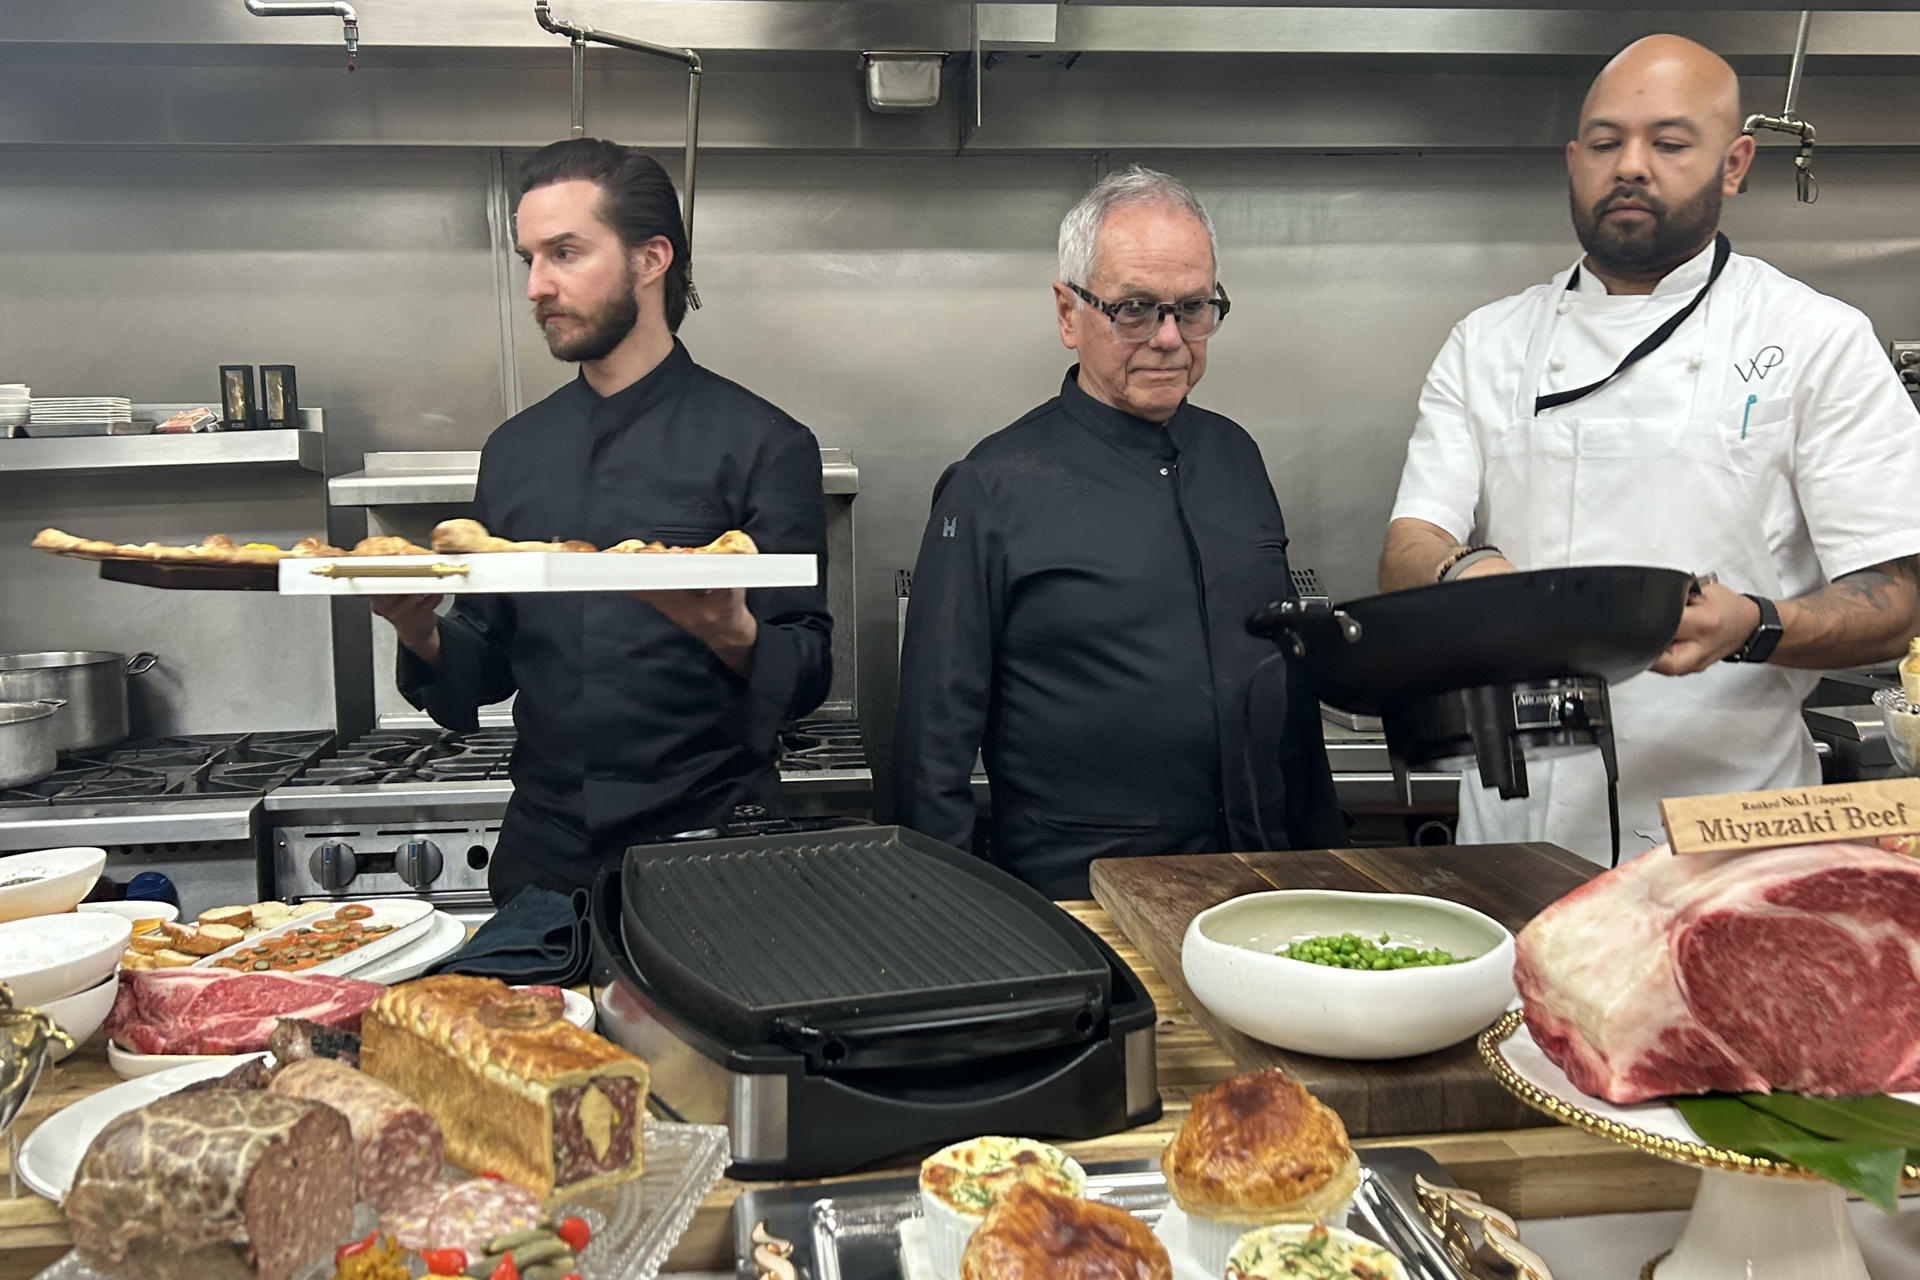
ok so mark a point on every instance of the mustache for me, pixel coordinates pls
(1628, 195)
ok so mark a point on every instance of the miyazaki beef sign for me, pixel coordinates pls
(1796, 815)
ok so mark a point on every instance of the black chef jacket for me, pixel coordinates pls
(1079, 613)
(628, 727)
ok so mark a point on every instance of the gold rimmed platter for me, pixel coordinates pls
(1654, 1128)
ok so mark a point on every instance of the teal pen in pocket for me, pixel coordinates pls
(1752, 400)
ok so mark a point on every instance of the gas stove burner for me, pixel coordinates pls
(1499, 726)
(391, 756)
(1496, 728)
(186, 767)
(816, 746)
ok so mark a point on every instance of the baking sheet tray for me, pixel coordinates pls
(851, 1230)
(515, 572)
(192, 577)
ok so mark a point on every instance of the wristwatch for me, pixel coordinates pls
(1760, 645)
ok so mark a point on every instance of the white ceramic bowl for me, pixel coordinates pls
(949, 1229)
(51, 880)
(80, 1015)
(1211, 1243)
(48, 957)
(134, 909)
(1291, 1232)
(1229, 962)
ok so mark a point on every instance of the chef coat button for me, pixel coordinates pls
(1556, 364)
(1693, 364)
(1163, 471)
(1563, 308)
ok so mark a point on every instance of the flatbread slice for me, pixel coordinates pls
(470, 536)
(734, 542)
(387, 545)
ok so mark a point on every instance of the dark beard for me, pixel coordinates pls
(607, 326)
(1676, 232)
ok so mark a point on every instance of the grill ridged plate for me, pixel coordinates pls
(860, 923)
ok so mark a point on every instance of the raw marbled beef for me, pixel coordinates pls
(219, 1011)
(1789, 968)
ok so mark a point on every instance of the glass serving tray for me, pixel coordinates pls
(853, 1231)
(635, 1224)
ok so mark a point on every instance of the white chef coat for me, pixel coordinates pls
(1768, 441)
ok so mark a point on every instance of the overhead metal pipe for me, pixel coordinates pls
(349, 19)
(580, 34)
(1806, 186)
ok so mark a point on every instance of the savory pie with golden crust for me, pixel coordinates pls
(1259, 1149)
(1031, 1234)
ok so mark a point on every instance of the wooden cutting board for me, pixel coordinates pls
(1152, 900)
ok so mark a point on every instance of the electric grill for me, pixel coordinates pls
(839, 997)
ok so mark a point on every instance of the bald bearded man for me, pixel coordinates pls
(1665, 401)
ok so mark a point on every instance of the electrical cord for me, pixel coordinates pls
(1246, 746)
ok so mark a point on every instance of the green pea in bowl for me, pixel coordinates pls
(1230, 961)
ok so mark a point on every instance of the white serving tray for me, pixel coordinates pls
(512, 572)
(410, 917)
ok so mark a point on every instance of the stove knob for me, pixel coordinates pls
(333, 865)
(418, 862)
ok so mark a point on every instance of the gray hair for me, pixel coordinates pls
(1080, 229)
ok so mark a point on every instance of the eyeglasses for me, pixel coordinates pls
(1138, 319)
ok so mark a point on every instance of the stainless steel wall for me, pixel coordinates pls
(898, 304)
(136, 274)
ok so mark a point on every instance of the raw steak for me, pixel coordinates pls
(216, 1011)
(1780, 969)
(229, 1184)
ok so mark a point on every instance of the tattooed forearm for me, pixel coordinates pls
(1862, 617)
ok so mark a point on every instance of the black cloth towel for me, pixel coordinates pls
(539, 936)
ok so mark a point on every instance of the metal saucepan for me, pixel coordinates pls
(1610, 621)
(91, 681)
(27, 751)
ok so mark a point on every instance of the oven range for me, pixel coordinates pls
(187, 807)
(417, 811)
(237, 817)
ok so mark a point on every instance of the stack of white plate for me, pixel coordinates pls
(16, 400)
(80, 416)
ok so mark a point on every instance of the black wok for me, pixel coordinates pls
(1609, 621)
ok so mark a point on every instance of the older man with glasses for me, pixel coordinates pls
(1079, 600)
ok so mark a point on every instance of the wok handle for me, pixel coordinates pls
(141, 663)
(1280, 620)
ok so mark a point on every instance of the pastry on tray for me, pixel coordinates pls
(960, 1183)
(1257, 1149)
(516, 1088)
(1034, 1234)
(460, 537)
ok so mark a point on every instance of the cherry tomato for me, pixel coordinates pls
(346, 1251)
(575, 1232)
(444, 1262)
(506, 1270)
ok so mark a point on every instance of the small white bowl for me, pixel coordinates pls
(51, 880)
(1229, 962)
(80, 1015)
(129, 1065)
(949, 1229)
(48, 957)
(1290, 1232)
(134, 909)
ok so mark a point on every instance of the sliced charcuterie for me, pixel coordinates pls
(398, 1144)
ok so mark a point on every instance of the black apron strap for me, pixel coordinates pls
(1722, 250)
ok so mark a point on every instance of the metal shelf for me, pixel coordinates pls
(302, 449)
(447, 477)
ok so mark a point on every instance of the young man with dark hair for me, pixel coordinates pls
(638, 716)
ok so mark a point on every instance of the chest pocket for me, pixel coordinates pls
(1755, 439)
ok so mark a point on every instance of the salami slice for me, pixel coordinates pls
(410, 1216)
(475, 1211)
(398, 1143)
